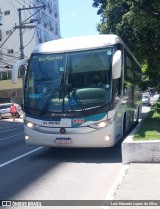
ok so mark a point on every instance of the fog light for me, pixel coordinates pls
(107, 138)
(26, 137)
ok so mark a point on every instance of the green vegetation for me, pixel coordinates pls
(137, 22)
(150, 126)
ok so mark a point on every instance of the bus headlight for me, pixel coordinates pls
(30, 124)
(103, 124)
(99, 125)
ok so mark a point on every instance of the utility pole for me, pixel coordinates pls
(21, 35)
(23, 26)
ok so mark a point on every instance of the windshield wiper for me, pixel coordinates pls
(53, 93)
(61, 88)
(79, 102)
(74, 96)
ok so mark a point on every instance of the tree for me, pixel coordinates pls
(137, 22)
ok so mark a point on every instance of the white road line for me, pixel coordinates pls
(19, 157)
(11, 137)
(112, 192)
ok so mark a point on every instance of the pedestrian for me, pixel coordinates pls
(13, 111)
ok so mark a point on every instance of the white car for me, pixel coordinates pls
(5, 110)
(145, 100)
(153, 100)
(156, 96)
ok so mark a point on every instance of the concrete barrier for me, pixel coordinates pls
(140, 151)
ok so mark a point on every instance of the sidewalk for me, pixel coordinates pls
(141, 182)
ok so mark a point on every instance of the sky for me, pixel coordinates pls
(77, 17)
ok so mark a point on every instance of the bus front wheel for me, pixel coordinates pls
(124, 126)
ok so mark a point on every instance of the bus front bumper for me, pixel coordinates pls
(72, 138)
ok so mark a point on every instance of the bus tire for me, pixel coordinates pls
(124, 125)
(137, 118)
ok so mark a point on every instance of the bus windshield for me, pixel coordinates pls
(68, 82)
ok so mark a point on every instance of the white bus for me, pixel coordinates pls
(80, 92)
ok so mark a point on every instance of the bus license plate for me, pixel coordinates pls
(63, 140)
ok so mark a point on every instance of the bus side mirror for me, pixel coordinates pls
(16, 68)
(116, 64)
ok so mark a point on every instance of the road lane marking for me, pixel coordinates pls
(19, 157)
(11, 137)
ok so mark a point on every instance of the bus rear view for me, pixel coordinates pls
(73, 93)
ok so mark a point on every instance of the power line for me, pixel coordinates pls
(21, 26)
(12, 5)
(7, 38)
(35, 29)
(31, 39)
(15, 52)
(6, 63)
(7, 55)
(12, 27)
(19, 3)
(69, 28)
(15, 28)
(31, 16)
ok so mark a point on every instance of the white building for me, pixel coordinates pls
(40, 23)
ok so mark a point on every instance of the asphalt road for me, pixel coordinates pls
(36, 173)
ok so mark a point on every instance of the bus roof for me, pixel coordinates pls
(77, 43)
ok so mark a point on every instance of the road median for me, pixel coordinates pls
(140, 151)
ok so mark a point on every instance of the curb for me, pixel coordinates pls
(140, 151)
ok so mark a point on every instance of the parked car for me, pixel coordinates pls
(145, 100)
(5, 110)
(153, 100)
(156, 96)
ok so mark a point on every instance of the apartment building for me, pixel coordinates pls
(39, 20)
